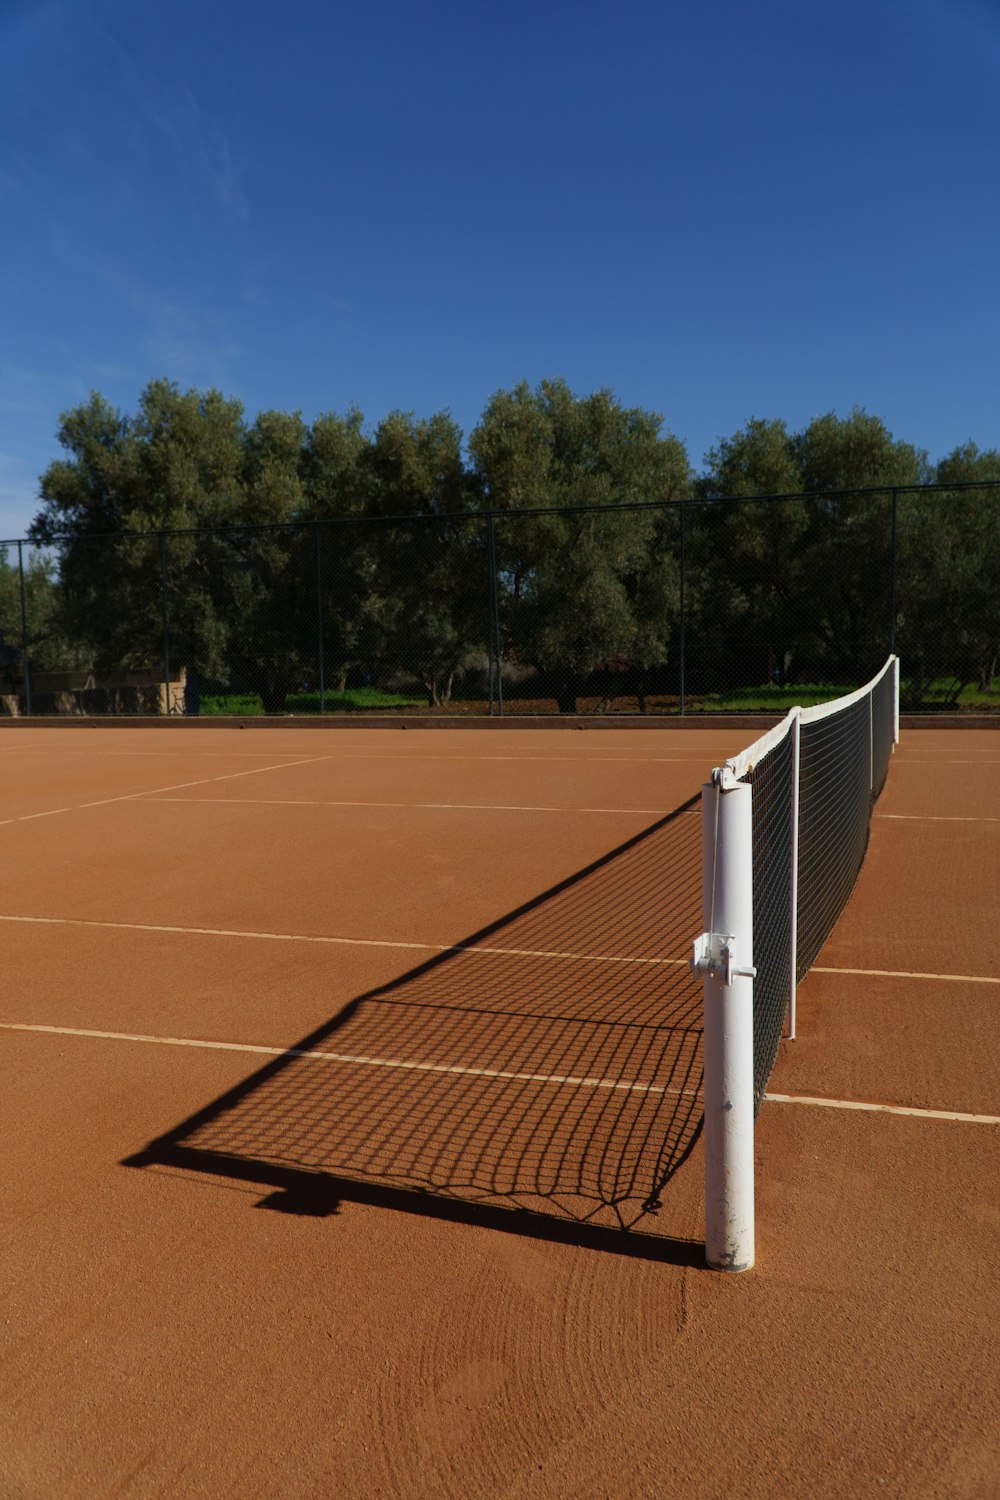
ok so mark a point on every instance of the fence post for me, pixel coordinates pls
(494, 620)
(682, 622)
(166, 625)
(24, 632)
(319, 621)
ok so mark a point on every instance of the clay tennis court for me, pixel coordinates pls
(352, 1126)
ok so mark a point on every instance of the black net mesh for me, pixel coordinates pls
(844, 755)
(883, 702)
(834, 813)
(771, 779)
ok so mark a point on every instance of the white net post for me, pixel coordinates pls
(895, 700)
(724, 956)
(795, 733)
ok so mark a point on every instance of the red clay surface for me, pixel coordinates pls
(322, 1276)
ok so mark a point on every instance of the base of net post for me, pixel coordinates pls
(730, 1229)
(729, 1265)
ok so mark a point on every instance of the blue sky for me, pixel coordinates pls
(720, 210)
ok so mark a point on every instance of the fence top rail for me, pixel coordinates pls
(491, 514)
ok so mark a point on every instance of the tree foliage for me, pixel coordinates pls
(803, 583)
(275, 554)
(949, 574)
(590, 588)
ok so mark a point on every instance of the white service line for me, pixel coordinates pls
(349, 942)
(415, 806)
(933, 818)
(180, 786)
(582, 759)
(359, 1060)
(505, 1075)
(189, 751)
(27, 817)
(346, 942)
(177, 787)
(910, 760)
(185, 752)
(884, 1109)
(904, 974)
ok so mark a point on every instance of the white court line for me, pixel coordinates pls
(910, 760)
(346, 942)
(582, 759)
(576, 760)
(417, 806)
(180, 786)
(502, 1074)
(177, 787)
(934, 818)
(359, 1060)
(900, 974)
(188, 751)
(884, 1109)
(27, 817)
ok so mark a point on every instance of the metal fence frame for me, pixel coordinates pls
(490, 519)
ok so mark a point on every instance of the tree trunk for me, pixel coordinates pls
(439, 697)
(566, 693)
(272, 696)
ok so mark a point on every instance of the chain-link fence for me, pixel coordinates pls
(691, 606)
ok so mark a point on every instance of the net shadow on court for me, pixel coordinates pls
(543, 1076)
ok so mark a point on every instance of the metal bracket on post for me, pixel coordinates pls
(715, 954)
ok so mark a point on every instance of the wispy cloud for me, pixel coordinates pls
(170, 110)
(193, 344)
(223, 178)
(198, 144)
(152, 331)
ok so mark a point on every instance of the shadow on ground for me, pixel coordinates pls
(543, 1077)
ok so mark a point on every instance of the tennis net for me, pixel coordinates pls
(786, 826)
(815, 779)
